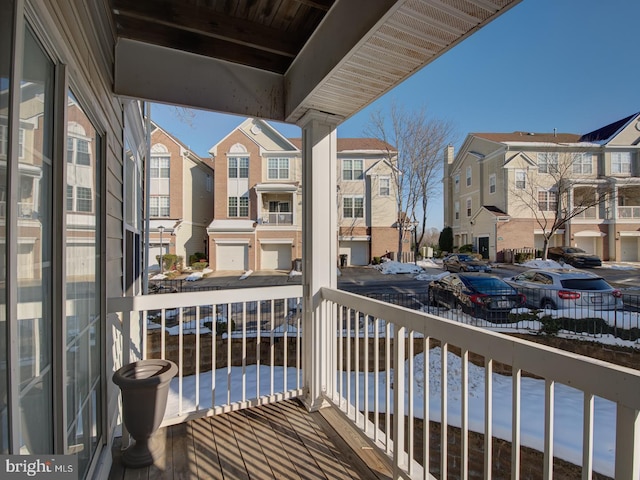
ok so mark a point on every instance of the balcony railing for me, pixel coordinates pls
(24, 209)
(486, 386)
(273, 218)
(231, 352)
(589, 213)
(629, 212)
(444, 369)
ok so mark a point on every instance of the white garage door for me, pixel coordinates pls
(276, 257)
(232, 257)
(628, 249)
(588, 244)
(154, 251)
(357, 252)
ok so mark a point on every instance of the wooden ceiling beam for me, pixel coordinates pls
(209, 23)
(178, 39)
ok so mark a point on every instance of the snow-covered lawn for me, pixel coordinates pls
(568, 403)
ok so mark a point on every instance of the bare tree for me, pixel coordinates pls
(419, 140)
(560, 188)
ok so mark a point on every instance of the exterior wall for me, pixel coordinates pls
(383, 240)
(516, 233)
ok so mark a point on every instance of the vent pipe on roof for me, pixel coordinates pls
(554, 132)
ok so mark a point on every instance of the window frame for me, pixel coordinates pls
(544, 166)
(469, 178)
(240, 206)
(578, 160)
(352, 169)
(456, 183)
(522, 182)
(469, 205)
(281, 168)
(239, 170)
(624, 160)
(492, 183)
(547, 201)
(352, 210)
(381, 188)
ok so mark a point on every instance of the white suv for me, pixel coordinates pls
(560, 288)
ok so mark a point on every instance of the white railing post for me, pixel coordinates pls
(627, 443)
(319, 248)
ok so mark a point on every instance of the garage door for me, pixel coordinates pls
(628, 249)
(588, 244)
(276, 257)
(357, 252)
(232, 257)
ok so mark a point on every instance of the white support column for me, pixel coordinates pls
(319, 250)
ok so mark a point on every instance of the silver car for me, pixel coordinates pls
(561, 289)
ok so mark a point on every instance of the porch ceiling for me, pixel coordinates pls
(277, 59)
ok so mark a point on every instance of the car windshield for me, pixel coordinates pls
(466, 258)
(585, 284)
(489, 285)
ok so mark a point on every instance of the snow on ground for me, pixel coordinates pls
(245, 274)
(619, 266)
(295, 273)
(159, 276)
(393, 267)
(195, 276)
(429, 277)
(190, 327)
(538, 263)
(428, 263)
(568, 402)
(614, 318)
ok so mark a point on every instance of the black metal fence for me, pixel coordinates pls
(622, 320)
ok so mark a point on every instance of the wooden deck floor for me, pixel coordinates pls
(279, 441)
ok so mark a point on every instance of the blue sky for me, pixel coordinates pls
(565, 64)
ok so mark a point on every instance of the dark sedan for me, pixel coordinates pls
(478, 294)
(573, 256)
(465, 263)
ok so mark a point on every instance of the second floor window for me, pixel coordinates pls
(353, 207)
(160, 167)
(547, 200)
(548, 162)
(521, 179)
(468, 207)
(620, 162)
(238, 167)
(385, 186)
(4, 141)
(468, 176)
(78, 151)
(159, 206)
(352, 169)
(238, 206)
(583, 163)
(79, 199)
(492, 183)
(278, 168)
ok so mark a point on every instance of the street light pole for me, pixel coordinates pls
(161, 229)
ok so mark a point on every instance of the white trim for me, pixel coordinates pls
(541, 232)
(276, 187)
(590, 233)
(633, 233)
(355, 238)
(232, 241)
(276, 241)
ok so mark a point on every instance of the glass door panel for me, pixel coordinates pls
(83, 306)
(34, 309)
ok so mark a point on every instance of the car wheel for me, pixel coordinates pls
(548, 304)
